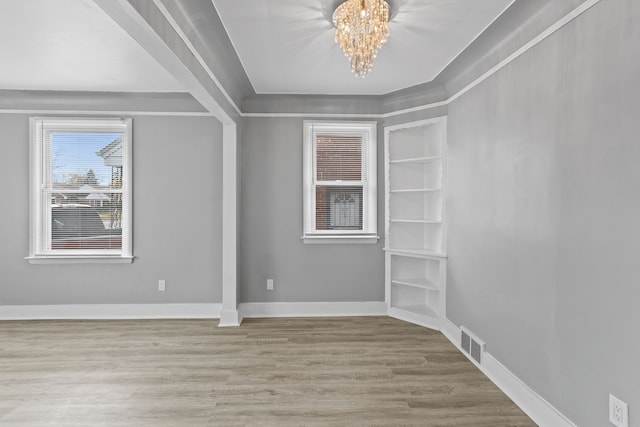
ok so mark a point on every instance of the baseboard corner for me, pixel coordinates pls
(535, 406)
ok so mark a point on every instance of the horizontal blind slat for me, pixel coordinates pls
(338, 158)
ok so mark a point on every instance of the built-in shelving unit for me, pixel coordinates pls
(415, 225)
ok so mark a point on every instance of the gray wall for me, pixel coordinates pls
(271, 227)
(544, 229)
(177, 185)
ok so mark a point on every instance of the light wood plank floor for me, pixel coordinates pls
(365, 371)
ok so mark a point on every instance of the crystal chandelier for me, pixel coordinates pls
(361, 29)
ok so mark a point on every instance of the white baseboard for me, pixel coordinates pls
(110, 311)
(414, 318)
(312, 309)
(191, 311)
(538, 409)
(229, 318)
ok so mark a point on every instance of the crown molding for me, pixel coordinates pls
(573, 14)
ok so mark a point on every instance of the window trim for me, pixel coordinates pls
(368, 234)
(38, 128)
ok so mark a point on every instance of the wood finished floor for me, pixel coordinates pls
(363, 371)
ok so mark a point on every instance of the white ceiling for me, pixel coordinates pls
(287, 46)
(73, 45)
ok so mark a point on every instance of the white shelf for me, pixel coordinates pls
(416, 259)
(421, 310)
(417, 221)
(415, 190)
(415, 160)
(416, 252)
(417, 283)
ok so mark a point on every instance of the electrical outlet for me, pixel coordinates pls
(618, 412)
(269, 284)
(161, 285)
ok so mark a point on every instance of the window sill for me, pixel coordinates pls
(79, 259)
(340, 240)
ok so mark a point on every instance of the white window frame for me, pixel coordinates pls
(40, 129)
(368, 132)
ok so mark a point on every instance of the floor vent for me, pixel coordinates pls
(471, 345)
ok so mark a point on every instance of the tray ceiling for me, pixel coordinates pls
(287, 46)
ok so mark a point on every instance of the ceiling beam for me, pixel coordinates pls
(131, 21)
(157, 36)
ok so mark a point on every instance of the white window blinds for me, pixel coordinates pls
(339, 179)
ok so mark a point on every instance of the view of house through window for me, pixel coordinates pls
(80, 203)
(86, 198)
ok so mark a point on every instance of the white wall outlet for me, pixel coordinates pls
(161, 285)
(618, 412)
(269, 284)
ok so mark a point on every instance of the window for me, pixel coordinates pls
(80, 190)
(340, 182)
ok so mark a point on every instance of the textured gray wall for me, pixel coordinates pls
(271, 227)
(544, 210)
(176, 226)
